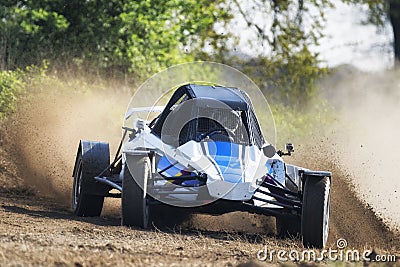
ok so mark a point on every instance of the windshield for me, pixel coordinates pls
(199, 122)
(224, 127)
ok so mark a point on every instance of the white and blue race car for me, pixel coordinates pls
(204, 152)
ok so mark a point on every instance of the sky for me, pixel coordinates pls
(347, 39)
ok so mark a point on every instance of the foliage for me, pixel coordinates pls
(291, 81)
(11, 83)
(290, 25)
(142, 36)
(296, 125)
(160, 33)
(379, 13)
(377, 10)
(115, 37)
(28, 33)
(289, 72)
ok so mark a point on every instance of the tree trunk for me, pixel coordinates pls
(394, 13)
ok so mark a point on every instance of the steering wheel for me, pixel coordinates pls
(211, 133)
(214, 132)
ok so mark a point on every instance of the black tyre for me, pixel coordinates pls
(288, 227)
(315, 212)
(84, 203)
(135, 208)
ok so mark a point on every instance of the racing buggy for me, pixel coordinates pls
(203, 151)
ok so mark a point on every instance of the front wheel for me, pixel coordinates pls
(315, 212)
(83, 203)
(135, 208)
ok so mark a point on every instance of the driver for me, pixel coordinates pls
(225, 126)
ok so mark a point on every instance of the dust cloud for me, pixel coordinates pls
(44, 134)
(366, 135)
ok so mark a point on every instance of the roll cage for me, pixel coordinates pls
(206, 97)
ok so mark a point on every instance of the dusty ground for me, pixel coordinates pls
(38, 228)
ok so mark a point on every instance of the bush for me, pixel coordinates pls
(11, 84)
(295, 124)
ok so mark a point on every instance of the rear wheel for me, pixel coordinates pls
(315, 212)
(135, 208)
(83, 203)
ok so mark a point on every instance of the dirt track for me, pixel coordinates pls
(38, 228)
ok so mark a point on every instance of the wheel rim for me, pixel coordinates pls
(326, 217)
(146, 210)
(77, 186)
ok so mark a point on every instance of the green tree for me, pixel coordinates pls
(143, 36)
(161, 35)
(140, 36)
(291, 27)
(27, 33)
